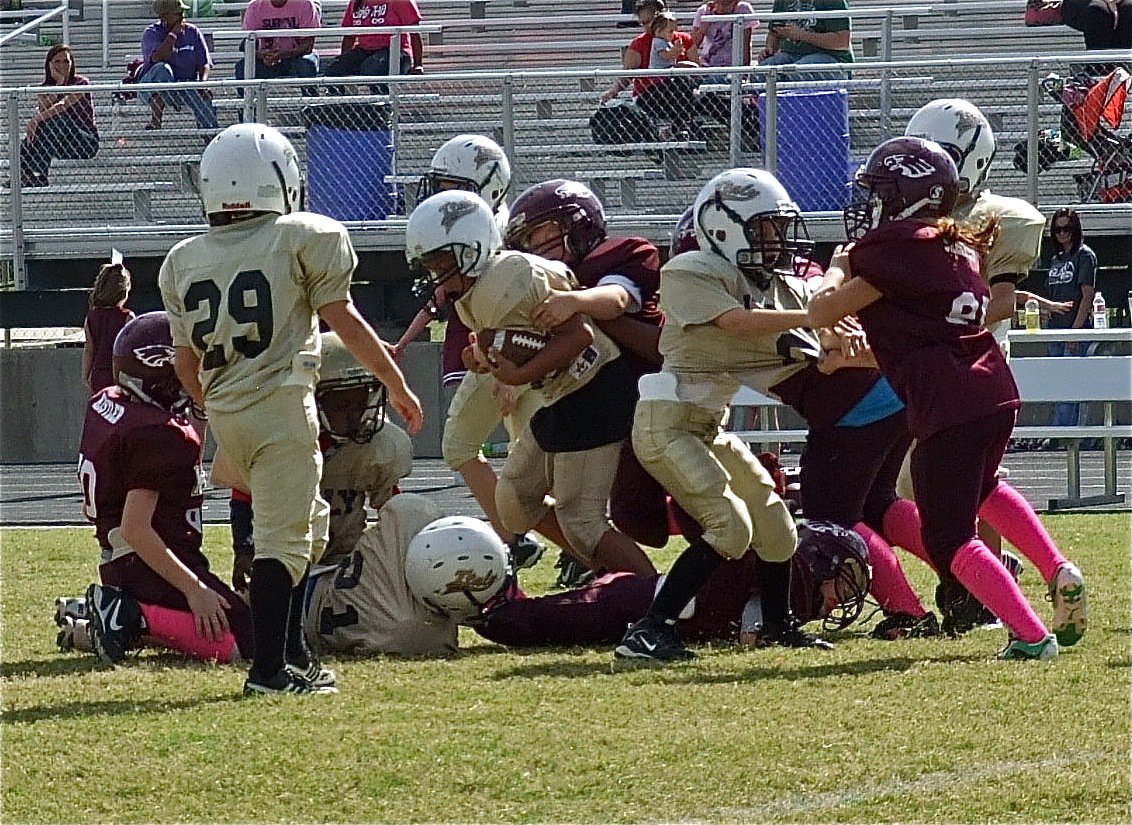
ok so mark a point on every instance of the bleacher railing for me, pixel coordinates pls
(62, 10)
(362, 151)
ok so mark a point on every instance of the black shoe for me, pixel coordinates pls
(961, 611)
(525, 551)
(314, 673)
(906, 626)
(116, 622)
(572, 574)
(1012, 563)
(655, 639)
(789, 635)
(69, 608)
(285, 681)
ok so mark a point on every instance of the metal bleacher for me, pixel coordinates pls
(152, 171)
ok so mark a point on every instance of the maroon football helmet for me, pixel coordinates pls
(829, 552)
(905, 177)
(684, 236)
(143, 362)
(570, 204)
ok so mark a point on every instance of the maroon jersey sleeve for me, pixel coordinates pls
(927, 328)
(637, 260)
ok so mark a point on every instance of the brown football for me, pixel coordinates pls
(516, 345)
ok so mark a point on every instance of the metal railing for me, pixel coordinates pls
(62, 9)
(361, 152)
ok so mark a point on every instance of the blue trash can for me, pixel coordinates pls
(813, 147)
(349, 155)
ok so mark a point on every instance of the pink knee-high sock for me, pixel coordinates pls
(890, 586)
(902, 528)
(1008, 512)
(177, 629)
(982, 573)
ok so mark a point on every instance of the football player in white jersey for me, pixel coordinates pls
(570, 447)
(965, 133)
(478, 402)
(244, 301)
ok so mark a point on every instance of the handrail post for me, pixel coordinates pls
(772, 121)
(508, 115)
(66, 6)
(106, 34)
(250, 49)
(736, 116)
(19, 262)
(886, 78)
(1032, 124)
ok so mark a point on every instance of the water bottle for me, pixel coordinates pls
(1033, 316)
(1100, 317)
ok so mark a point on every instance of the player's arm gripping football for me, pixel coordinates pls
(207, 605)
(567, 341)
(360, 339)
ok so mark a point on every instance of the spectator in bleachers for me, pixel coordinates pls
(670, 46)
(662, 98)
(714, 40)
(104, 320)
(175, 52)
(808, 41)
(282, 56)
(1106, 24)
(63, 125)
(368, 54)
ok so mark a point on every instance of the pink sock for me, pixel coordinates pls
(902, 528)
(177, 629)
(890, 586)
(982, 573)
(1008, 512)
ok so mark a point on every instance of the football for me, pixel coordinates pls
(516, 345)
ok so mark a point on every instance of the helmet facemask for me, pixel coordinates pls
(351, 409)
(438, 267)
(774, 242)
(554, 245)
(849, 578)
(433, 182)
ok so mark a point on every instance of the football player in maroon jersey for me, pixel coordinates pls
(913, 279)
(565, 221)
(142, 485)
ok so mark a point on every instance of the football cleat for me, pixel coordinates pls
(285, 681)
(1070, 605)
(1016, 649)
(1012, 563)
(69, 608)
(74, 635)
(314, 673)
(572, 574)
(525, 551)
(116, 622)
(789, 635)
(906, 626)
(655, 639)
(960, 611)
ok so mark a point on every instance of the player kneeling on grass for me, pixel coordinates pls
(142, 485)
(570, 447)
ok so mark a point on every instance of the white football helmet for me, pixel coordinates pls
(250, 167)
(454, 221)
(728, 213)
(456, 564)
(959, 127)
(473, 163)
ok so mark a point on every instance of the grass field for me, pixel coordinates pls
(912, 731)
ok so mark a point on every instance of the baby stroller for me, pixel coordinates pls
(1091, 110)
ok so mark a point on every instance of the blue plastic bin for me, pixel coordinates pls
(349, 154)
(813, 147)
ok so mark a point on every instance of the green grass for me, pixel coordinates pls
(913, 731)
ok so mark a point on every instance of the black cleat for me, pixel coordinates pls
(789, 635)
(69, 608)
(525, 552)
(285, 681)
(906, 626)
(314, 673)
(116, 622)
(655, 639)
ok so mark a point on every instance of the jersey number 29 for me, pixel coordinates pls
(239, 310)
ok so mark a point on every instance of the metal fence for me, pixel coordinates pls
(364, 147)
